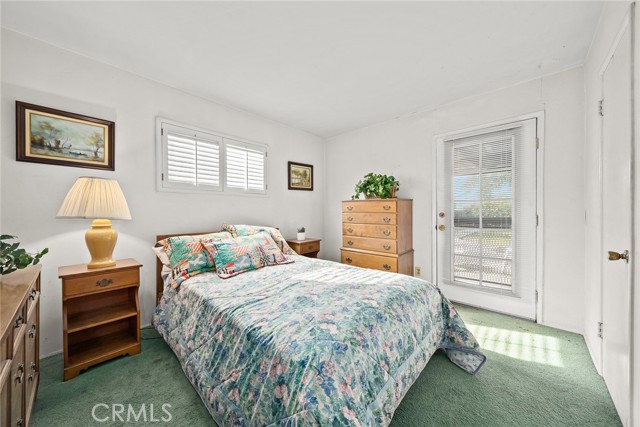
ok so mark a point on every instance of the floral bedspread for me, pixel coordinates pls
(313, 343)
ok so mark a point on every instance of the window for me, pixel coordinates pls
(245, 165)
(196, 160)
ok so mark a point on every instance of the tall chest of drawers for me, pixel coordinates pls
(19, 348)
(378, 234)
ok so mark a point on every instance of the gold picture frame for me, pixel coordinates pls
(56, 137)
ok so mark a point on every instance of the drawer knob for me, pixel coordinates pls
(20, 422)
(350, 243)
(349, 260)
(349, 230)
(349, 208)
(19, 322)
(386, 233)
(32, 296)
(104, 282)
(30, 378)
(33, 366)
(349, 218)
(386, 267)
(386, 207)
(386, 246)
(386, 219)
(32, 332)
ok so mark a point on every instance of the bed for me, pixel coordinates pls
(311, 343)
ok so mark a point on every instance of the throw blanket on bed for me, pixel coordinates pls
(314, 343)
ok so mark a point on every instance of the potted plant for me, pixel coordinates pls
(13, 258)
(301, 233)
(377, 186)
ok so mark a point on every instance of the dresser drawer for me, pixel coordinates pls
(16, 385)
(376, 262)
(370, 230)
(379, 245)
(369, 218)
(378, 205)
(100, 282)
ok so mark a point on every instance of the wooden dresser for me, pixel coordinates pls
(378, 233)
(19, 347)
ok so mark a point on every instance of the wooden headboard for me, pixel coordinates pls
(159, 281)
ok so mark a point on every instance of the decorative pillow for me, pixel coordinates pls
(187, 257)
(244, 253)
(237, 230)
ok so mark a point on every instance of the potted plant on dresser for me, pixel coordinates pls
(377, 186)
(378, 232)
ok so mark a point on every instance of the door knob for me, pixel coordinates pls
(442, 227)
(615, 256)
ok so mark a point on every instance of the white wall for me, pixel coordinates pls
(403, 147)
(39, 73)
(611, 20)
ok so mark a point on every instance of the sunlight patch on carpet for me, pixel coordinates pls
(526, 346)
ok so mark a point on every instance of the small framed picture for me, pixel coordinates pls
(55, 137)
(300, 176)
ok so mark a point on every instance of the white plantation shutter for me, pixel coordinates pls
(196, 160)
(245, 166)
(191, 160)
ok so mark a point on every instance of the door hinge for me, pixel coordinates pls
(161, 131)
(162, 176)
(536, 297)
(601, 107)
(537, 143)
(537, 220)
(600, 330)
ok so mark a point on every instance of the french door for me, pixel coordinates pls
(486, 218)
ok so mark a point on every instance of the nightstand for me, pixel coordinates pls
(307, 247)
(100, 314)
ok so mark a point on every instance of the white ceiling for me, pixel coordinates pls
(324, 67)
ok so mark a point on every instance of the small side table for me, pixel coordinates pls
(306, 247)
(100, 314)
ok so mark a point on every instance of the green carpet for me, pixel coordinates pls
(535, 376)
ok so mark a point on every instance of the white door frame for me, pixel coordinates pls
(539, 116)
(628, 22)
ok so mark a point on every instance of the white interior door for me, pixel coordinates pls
(616, 225)
(486, 218)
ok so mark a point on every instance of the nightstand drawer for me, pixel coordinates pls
(305, 248)
(100, 282)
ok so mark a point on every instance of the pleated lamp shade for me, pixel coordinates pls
(95, 198)
(102, 200)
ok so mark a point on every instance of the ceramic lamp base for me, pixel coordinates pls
(101, 240)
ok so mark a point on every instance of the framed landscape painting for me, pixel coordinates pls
(47, 135)
(300, 176)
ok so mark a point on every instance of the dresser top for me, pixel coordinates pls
(82, 270)
(14, 289)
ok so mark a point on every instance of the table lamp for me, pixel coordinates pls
(100, 199)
